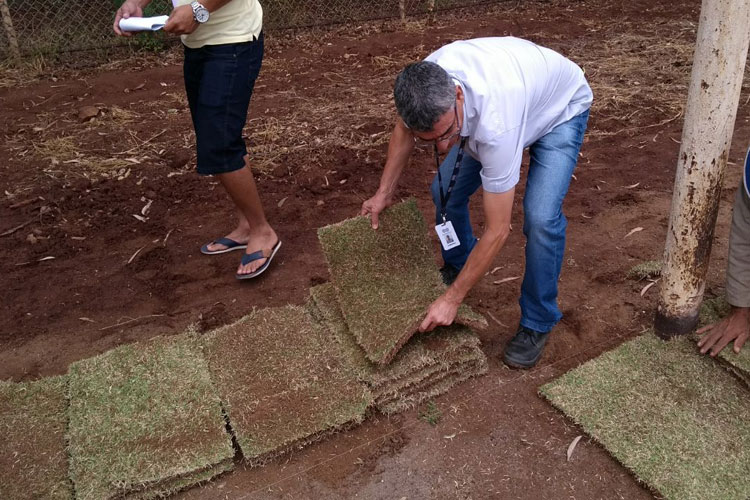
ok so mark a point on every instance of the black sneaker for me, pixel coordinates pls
(449, 274)
(525, 348)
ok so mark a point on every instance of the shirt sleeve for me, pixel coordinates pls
(501, 162)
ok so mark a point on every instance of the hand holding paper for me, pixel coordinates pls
(143, 23)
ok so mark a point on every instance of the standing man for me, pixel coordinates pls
(736, 326)
(482, 102)
(223, 42)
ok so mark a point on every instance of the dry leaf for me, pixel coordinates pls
(635, 230)
(633, 185)
(451, 436)
(646, 288)
(140, 217)
(136, 253)
(572, 446)
(496, 269)
(505, 280)
(49, 257)
(281, 202)
(83, 318)
(146, 207)
(87, 113)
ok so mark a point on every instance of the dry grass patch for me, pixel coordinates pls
(386, 279)
(284, 381)
(670, 415)
(33, 462)
(145, 420)
(428, 365)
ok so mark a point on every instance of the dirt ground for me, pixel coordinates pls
(101, 222)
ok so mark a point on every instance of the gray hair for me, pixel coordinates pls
(423, 93)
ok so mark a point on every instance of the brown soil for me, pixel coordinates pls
(318, 127)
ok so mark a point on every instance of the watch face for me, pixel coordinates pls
(201, 14)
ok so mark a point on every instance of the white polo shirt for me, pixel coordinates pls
(516, 92)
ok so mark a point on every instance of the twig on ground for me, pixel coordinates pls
(133, 320)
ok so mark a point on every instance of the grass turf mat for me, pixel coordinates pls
(714, 310)
(440, 348)
(670, 415)
(144, 419)
(284, 381)
(434, 385)
(33, 462)
(385, 279)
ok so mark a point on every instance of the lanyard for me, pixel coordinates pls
(444, 197)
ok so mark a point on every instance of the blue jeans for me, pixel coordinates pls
(553, 159)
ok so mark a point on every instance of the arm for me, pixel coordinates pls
(400, 148)
(181, 20)
(497, 211)
(130, 8)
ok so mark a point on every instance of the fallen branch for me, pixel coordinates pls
(123, 323)
(14, 229)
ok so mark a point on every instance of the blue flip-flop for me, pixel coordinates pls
(230, 245)
(247, 258)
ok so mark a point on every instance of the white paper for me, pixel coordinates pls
(447, 235)
(143, 23)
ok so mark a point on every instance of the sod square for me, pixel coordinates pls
(33, 461)
(385, 279)
(284, 381)
(675, 418)
(145, 420)
(410, 377)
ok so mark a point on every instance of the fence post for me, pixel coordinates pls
(402, 10)
(9, 31)
(713, 97)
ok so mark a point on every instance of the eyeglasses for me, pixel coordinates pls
(445, 136)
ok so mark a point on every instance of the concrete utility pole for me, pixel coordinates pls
(15, 54)
(713, 96)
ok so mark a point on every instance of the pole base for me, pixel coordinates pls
(671, 326)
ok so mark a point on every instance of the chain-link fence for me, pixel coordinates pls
(59, 27)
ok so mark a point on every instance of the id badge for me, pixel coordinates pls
(447, 235)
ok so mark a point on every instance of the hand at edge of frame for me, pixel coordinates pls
(735, 327)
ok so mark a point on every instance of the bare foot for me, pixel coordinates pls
(239, 235)
(264, 242)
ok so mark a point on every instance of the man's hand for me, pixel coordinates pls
(735, 327)
(131, 8)
(181, 21)
(442, 312)
(374, 206)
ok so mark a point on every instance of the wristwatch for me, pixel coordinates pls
(200, 13)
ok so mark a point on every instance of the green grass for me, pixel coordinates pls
(673, 417)
(431, 413)
(385, 279)
(646, 270)
(144, 420)
(33, 462)
(284, 381)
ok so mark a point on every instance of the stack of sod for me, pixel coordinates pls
(145, 421)
(670, 415)
(33, 462)
(385, 279)
(428, 365)
(284, 381)
(712, 311)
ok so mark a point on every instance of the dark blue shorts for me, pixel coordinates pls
(219, 81)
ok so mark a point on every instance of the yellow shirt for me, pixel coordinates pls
(237, 21)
